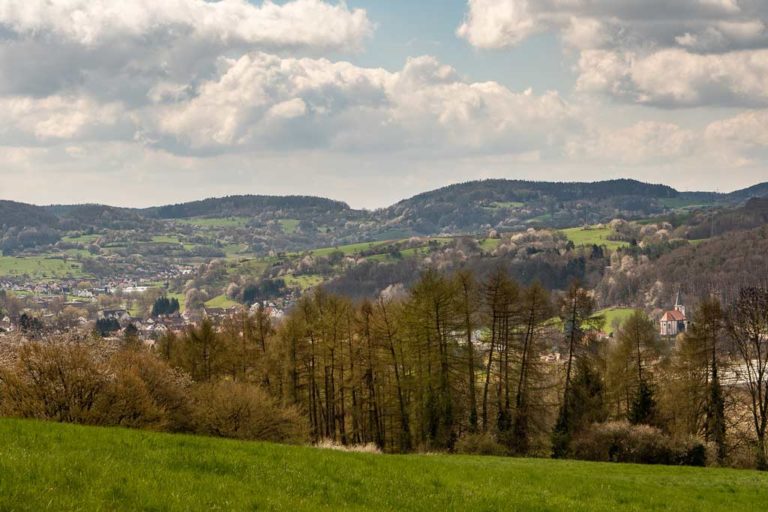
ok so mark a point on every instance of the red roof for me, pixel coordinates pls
(673, 316)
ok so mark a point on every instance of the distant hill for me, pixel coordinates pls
(507, 204)
(246, 205)
(97, 216)
(18, 215)
(299, 222)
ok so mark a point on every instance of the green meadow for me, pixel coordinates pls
(46, 466)
(39, 267)
(614, 317)
(592, 236)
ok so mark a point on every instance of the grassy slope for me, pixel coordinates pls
(614, 315)
(596, 236)
(220, 301)
(63, 467)
(38, 267)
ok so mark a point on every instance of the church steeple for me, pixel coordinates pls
(679, 304)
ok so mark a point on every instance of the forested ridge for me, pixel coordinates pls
(302, 222)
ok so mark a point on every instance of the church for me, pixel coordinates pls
(674, 322)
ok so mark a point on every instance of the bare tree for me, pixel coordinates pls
(747, 325)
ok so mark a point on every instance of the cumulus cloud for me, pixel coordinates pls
(748, 129)
(42, 121)
(256, 99)
(641, 143)
(298, 23)
(682, 53)
(123, 49)
(675, 77)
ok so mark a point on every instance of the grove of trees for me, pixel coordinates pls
(454, 363)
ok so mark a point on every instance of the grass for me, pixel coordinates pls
(67, 467)
(165, 239)
(39, 267)
(303, 282)
(506, 204)
(180, 297)
(593, 236)
(489, 244)
(214, 222)
(80, 239)
(680, 202)
(614, 316)
(221, 301)
(289, 226)
(346, 249)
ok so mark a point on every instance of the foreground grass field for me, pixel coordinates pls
(64, 467)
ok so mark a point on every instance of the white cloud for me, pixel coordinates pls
(346, 107)
(496, 24)
(297, 23)
(55, 118)
(123, 50)
(675, 77)
(748, 129)
(677, 54)
(642, 143)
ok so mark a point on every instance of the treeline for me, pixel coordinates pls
(492, 366)
(452, 364)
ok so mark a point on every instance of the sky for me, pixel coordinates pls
(147, 102)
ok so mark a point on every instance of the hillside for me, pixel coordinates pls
(65, 467)
(259, 224)
(514, 204)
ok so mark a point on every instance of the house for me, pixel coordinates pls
(674, 322)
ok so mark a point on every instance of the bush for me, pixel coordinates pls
(243, 411)
(621, 442)
(144, 392)
(479, 444)
(59, 382)
(81, 383)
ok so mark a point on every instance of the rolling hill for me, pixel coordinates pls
(303, 222)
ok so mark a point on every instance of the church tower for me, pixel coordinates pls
(679, 304)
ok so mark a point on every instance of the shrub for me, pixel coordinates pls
(243, 411)
(479, 444)
(328, 444)
(621, 442)
(143, 392)
(59, 382)
(81, 383)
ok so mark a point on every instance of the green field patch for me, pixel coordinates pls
(166, 239)
(221, 301)
(489, 244)
(215, 222)
(504, 205)
(303, 282)
(346, 249)
(547, 217)
(289, 226)
(680, 202)
(77, 253)
(39, 267)
(50, 466)
(593, 236)
(80, 239)
(614, 317)
(180, 297)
